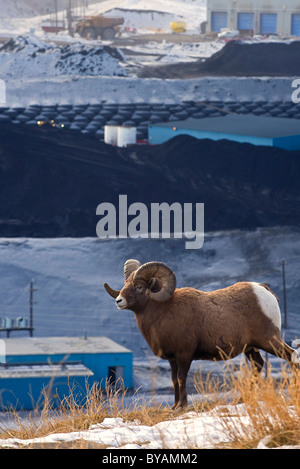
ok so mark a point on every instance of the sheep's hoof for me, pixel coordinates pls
(178, 407)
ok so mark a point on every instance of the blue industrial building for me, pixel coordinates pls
(258, 130)
(58, 365)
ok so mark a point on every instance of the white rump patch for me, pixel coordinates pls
(268, 303)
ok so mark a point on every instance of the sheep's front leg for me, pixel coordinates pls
(183, 368)
(174, 371)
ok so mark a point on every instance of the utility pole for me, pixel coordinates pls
(31, 303)
(69, 18)
(283, 264)
(56, 15)
(266, 365)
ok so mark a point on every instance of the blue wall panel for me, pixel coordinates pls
(246, 21)
(295, 26)
(24, 393)
(158, 135)
(28, 393)
(268, 23)
(218, 20)
(287, 143)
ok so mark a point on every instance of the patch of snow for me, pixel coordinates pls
(29, 56)
(191, 430)
(116, 90)
(194, 430)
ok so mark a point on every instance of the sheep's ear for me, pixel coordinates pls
(152, 283)
(161, 272)
(155, 285)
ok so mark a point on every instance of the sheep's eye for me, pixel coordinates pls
(139, 287)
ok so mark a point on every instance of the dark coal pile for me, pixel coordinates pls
(51, 181)
(237, 59)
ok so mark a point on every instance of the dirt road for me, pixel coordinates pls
(137, 39)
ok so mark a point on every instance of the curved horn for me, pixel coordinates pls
(110, 291)
(130, 266)
(163, 273)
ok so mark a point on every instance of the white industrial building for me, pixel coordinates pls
(280, 17)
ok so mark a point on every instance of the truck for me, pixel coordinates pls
(94, 26)
(50, 26)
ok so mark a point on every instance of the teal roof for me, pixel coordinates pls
(61, 345)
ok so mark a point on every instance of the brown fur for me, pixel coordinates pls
(194, 325)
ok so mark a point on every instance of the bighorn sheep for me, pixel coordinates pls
(185, 324)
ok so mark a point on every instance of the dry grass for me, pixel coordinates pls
(251, 410)
(269, 410)
(74, 415)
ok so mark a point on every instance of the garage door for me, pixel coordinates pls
(218, 20)
(295, 30)
(246, 21)
(268, 23)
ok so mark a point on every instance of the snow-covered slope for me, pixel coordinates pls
(137, 13)
(25, 15)
(69, 275)
(21, 8)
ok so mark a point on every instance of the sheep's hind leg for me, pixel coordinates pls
(276, 346)
(255, 358)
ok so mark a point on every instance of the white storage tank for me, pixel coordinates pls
(111, 134)
(8, 323)
(126, 136)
